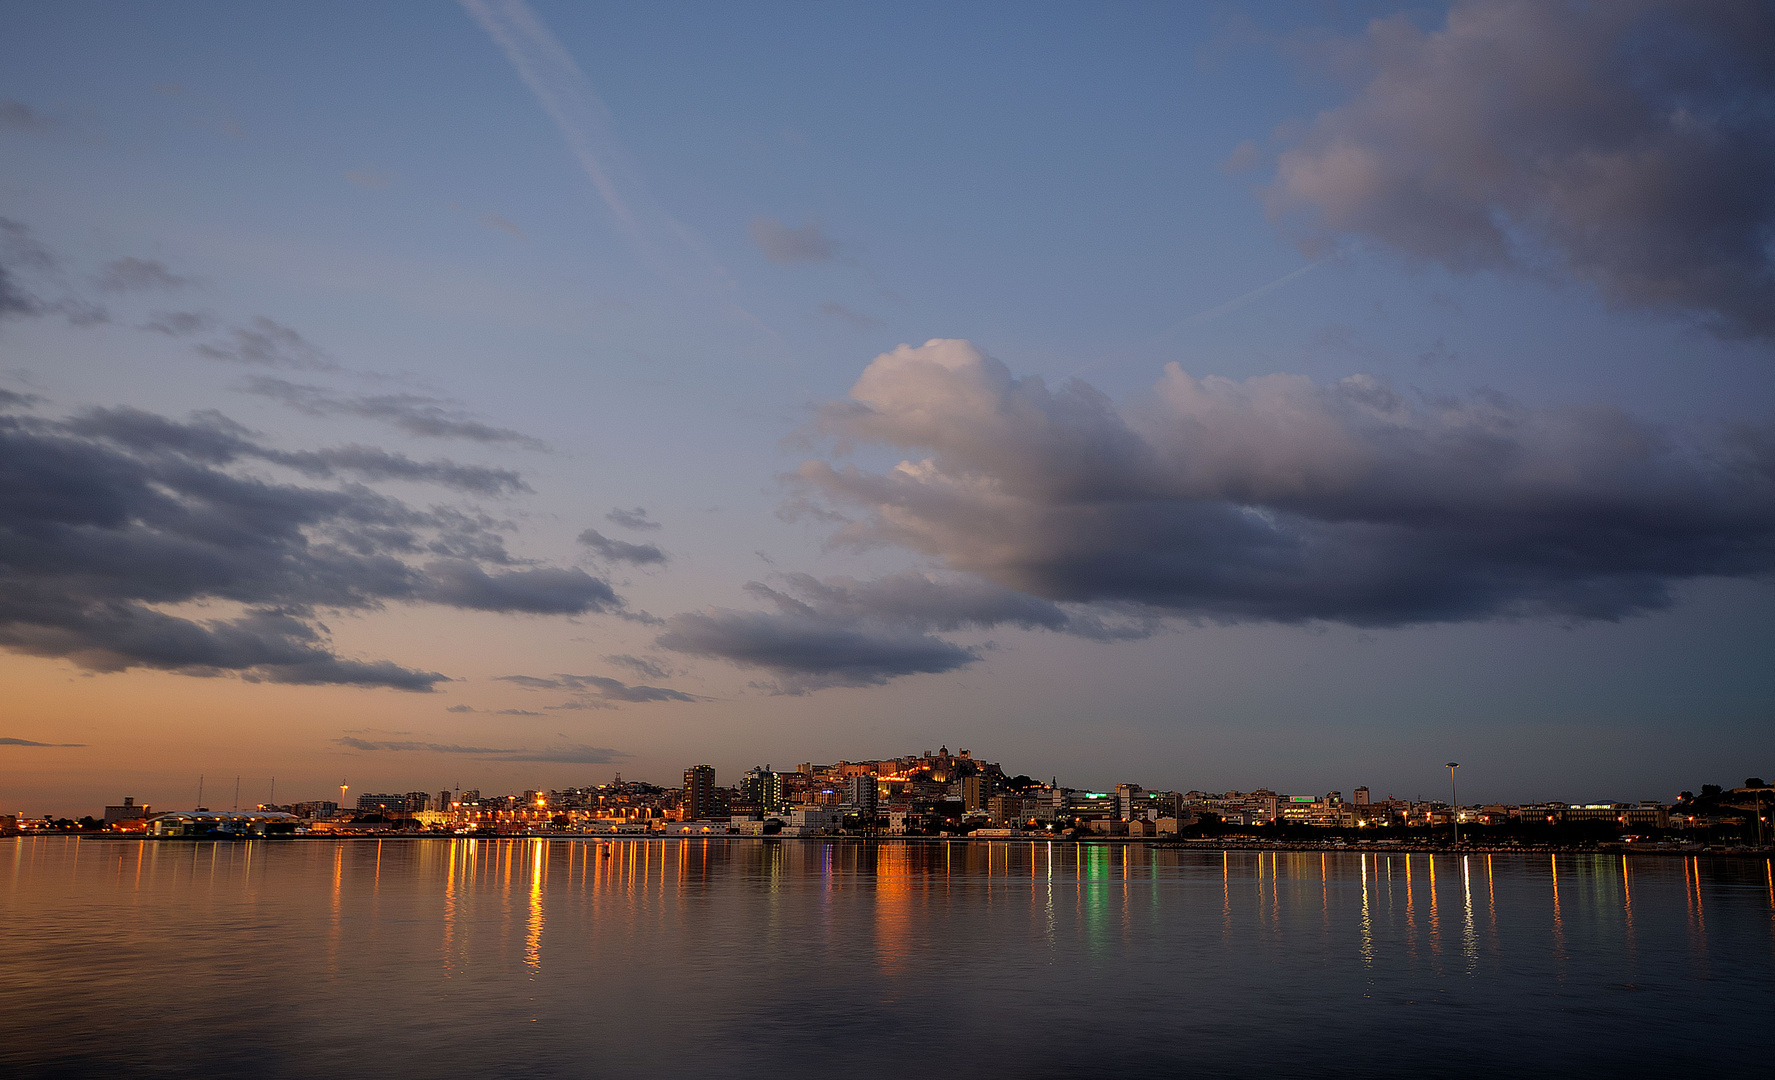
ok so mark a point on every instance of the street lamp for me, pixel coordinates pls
(1456, 803)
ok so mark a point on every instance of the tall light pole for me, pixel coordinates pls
(1456, 803)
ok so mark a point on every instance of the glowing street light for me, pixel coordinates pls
(1454, 802)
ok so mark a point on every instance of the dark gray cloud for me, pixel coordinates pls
(807, 650)
(641, 665)
(597, 691)
(847, 632)
(270, 343)
(28, 742)
(130, 274)
(635, 518)
(15, 299)
(415, 414)
(1630, 143)
(17, 116)
(177, 323)
(786, 244)
(1277, 499)
(213, 439)
(112, 516)
(18, 248)
(22, 256)
(545, 590)
(621, 550)
(567, 755)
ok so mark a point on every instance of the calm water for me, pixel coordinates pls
(445, 959)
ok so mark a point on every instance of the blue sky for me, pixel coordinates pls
(366, 214)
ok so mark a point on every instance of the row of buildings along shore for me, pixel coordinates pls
(930, 794)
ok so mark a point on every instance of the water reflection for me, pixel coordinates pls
(643, 955)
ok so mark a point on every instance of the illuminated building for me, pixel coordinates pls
(129, 811)
(862, 793)
(699, 793)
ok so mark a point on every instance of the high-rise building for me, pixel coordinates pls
(762, 786)
(1361, 796)
(862, 790)
(699, 792)
(975, 791)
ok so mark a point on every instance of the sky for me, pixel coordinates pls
(512, 395)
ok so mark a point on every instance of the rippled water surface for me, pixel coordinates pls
(460, 958)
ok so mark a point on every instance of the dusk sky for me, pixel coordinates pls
(1204, 396)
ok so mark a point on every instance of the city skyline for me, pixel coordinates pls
(515, 394)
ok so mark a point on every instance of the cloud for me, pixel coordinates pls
(17, 116)
(217, 440)
(540, 591)
(504, 225)
(636, 519)
(597, 691)
(858, 321)
(1277, 499)
(846, 632)
(415, 414)
(119, 528)
(28, 742)
(651, 669)
(1628, 144)
(18, 248)
(270, 343)
(621, 550)
(15, 299)
(177, 323)
(130, 274)
(568, 755)
(584, 122)
(809, 651)
(784, 244)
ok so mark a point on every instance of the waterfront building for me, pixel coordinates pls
(699, 793)
(129, 811)
(222, 824)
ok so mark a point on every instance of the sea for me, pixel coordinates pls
(759, 957)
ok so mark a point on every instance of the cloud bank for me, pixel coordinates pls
(1630, 143)
(621, 550)
(566, 755)
(1277, 499)
(845, 632)
(114, 519)
(597, 691)
(416, 414)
